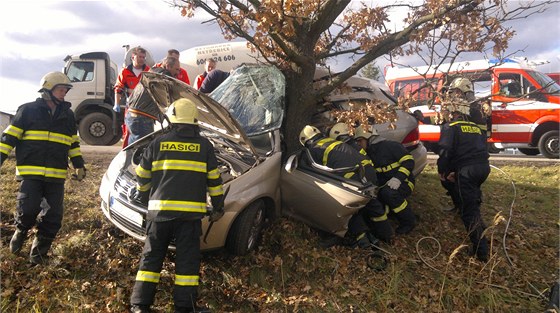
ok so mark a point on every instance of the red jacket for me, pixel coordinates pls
(199, 79)
(127, 80)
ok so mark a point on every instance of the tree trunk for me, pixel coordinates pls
(300, 105)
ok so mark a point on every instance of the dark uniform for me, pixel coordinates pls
(391, 159)
(336, 154)
(178, 169)
(44, 140)
(464, 152)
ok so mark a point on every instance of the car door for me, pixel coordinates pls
(318, 198)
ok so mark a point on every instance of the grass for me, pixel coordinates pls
(93, 264)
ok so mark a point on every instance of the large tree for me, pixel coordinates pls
(299, 35)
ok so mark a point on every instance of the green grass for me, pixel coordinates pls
(93, 264)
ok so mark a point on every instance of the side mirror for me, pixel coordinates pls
(291, 163)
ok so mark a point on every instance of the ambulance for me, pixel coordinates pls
(525, 102)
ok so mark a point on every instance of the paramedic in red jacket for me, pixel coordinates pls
(128, 79)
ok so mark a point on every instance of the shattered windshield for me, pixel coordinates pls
(254, 96)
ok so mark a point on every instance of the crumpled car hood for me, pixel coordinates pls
(156, 92)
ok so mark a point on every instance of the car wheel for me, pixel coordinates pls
(96, 129)
(493, 149)
(528, 151)
(548, 144)
(247, 229)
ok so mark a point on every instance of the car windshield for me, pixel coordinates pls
(549, 86)
(254, 96)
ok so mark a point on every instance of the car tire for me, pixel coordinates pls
(528, 151)
(548, 144)
(96, 129)
(246, 231)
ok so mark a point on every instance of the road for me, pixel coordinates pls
(498, 157)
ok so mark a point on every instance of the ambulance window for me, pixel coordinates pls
(512, 84)
(482, 84)
(405, 87)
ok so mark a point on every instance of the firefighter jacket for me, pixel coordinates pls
(391, 159)
(336, 154)
(178, 169)
(461, 143)
(127, 80)
(44, 140)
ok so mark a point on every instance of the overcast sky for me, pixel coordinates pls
(37, 35)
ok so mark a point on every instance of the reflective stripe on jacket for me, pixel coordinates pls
(391, 159)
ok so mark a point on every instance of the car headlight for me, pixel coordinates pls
(108, 181)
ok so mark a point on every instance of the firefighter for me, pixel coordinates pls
(44, 135)
(175, 173)
(336, 154)
(394, 166)
(463, 167)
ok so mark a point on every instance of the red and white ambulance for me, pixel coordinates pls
(525, 102)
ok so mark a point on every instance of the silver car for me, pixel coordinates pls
(242, 119)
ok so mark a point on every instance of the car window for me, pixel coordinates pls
(254, 96)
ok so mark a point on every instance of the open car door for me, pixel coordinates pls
(319, 197)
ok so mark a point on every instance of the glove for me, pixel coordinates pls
(117, 108)
(136, 196)
(79, 173)
(216, 215)
(394, 183)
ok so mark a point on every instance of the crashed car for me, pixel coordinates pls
(242, 119)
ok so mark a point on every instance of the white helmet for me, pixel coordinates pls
(463, 84)
(307, 133)
(339, 129)
(182, 111)
(53, 79)
(360, 132)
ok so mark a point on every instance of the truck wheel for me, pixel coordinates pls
(493, 149)
(96, 129)
(548, 144)
(247, 229)
(117, 138)
(528, 151)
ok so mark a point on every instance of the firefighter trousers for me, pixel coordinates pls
(29, 211)
(187, 262)
(468, 181)
(375, 216)
(395, 200)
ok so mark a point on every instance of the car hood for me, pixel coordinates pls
(155, 92)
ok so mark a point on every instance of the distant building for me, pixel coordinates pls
(5, 119)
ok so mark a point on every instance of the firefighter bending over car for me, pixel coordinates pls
(393, 165)
(44, 135)
(463, 165)
(336, 154)
(175, 173)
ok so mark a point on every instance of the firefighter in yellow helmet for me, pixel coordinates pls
(394, 165)
(463, 167)
(176, 172)
(336, 154)
(45, 137)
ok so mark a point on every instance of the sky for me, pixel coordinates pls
(36, 36)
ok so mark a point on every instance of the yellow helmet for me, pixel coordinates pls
(53, 79)
(360, 132)
(463, 84)
(339, 129)
(182, 111)
(307, 133)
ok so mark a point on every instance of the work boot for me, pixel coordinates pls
(17, 240)
(330, 241)
(39, 250)
(140, 309)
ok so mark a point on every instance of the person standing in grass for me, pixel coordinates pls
(463, 165)
(176, 172)
(44, 135)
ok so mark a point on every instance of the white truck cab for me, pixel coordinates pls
(93, 76)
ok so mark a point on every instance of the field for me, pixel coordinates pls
(93, 264)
